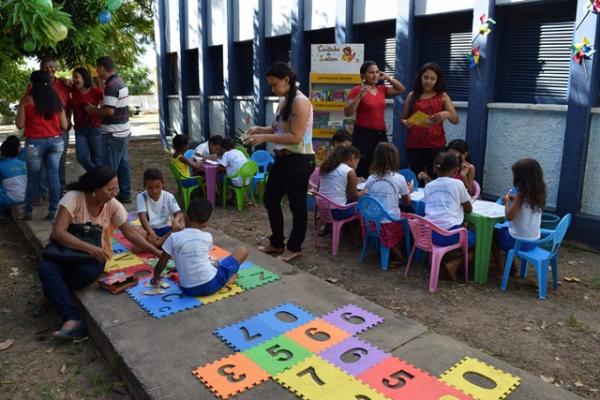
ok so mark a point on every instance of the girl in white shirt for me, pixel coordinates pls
(338, 179)
(523, 206)
(446, 201)
(388, 186)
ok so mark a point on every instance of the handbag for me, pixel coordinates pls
(88, 232)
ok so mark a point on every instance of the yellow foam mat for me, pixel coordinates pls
(505, 382)
(225, 292)
(355, 389)
(121, 261)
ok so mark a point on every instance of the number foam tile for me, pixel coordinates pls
(505, 382)
(255, 276)
(317, 335)
(245, 334)
(400, 380)
(356, 390)
(218, 253)
(225, 292)
(277, 354)
(274, 317)
(323, 380)
(343, 317)
(162, 305)
(344, 355)
(231, 375)
(122, 261)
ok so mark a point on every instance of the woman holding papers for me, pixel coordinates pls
(425, 110)
(367, 101)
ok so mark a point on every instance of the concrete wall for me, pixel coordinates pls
(194, 126)
(277, 17)
(374, 10)
(216, 22)
(175, 121)
(148, 102)
(430, 7)
(515, 133)
(193, 36)
(458, 131)
(216, 115)
(590, 202)
(172, 28)
(243, 16)
(319, 14)
(243, 110)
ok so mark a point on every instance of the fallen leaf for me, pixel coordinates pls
(547, 379)
(543, 325)
(14, 272)
(63, 369)
(527, 329)
(331, 279)
(6, 344)
(50, 350)
(579, 384)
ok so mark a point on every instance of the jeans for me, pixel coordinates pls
(289, 176)
(62, 172)
(5, 202)
(43, 152)
(88, 147)
(116, 157)
(58, 279)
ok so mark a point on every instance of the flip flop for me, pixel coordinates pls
(271, 250)
(291, 256)
(66, 335)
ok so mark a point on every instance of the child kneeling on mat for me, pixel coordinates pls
(190, 250)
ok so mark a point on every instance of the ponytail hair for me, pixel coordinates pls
(281, 70)
(46, 101)
(339, 155)
(92, 180)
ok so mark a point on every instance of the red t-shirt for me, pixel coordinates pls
(37, 127)
(79, 100)
(371, 109)
(432, 136)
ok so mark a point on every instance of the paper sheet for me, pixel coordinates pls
(417, 195)
(488, 209)
(419, 118)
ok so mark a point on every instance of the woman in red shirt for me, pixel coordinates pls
(43, 117)
(367, 101)
(88, 137)
(425, 141)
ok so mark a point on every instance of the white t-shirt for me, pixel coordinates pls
(189, 249)
(202, 150)
(334, 184)
(388, 190)
(443, 202)
(526, 224)
(160, 211)
(233, 160)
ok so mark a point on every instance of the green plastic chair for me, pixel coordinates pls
(247, 172)
(243, 150)
(186, 185)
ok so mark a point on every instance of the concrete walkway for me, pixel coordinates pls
(155, 357)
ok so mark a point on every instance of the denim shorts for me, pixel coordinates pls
(506, 242)
(440, 240)
(226, 269)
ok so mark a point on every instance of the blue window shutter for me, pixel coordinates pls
(216, 55)
(535, 65)
(380, 44)
(243, 51)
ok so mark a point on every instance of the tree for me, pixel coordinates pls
(137, 79)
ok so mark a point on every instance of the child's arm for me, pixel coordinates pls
(467, 206)
(351, 192)
(406, 200)
(190, 163)
(152, 238)
(178, 221)
(406, 111)
(512, 205)
(160, 266)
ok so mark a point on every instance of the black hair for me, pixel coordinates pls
(46, 100)
(386, 159)
(10, 147)
(46, 60)
(199, 210)
(227, 144)
(446, 161)
(85, 74)
(339, 155)
(340, 136)
(180, 142)
(528, 177)
(217, 139)
(281, 70)
(459, 145)
(439, 87)
(365, 66)
(106, 62)
(153, 174)
(92, 180)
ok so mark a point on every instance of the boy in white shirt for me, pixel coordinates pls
(190, 250)
(231, 161)
(209, 149)
(157, 209)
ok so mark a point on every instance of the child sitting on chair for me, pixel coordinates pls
(13, 175)
(210, 149)
(190, 250)
(157, 209)
(178, 160)
(231, 161)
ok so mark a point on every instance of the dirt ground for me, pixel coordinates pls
(558, 338)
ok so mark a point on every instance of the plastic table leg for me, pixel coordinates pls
(210, 173)
(484, 229)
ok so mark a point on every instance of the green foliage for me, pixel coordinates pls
(14, 80)
(137, 79)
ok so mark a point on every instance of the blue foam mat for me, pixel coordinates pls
(270, 317)
(246, 334)
(162, 305)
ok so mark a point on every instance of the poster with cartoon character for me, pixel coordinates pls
(337, 58)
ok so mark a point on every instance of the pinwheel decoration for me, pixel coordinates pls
(591, 6)
(486, 26)
(473, 58)
(582, 51)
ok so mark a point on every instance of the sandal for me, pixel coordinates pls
(290, 256)
(271, 250)
(67, 335)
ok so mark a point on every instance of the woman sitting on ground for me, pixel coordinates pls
(90, 199)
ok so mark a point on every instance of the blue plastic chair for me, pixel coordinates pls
(188, 153)
(263, 159)
(410, 176)
(539, 257)
(373, 213)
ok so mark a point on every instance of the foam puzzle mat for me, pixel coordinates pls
(322, 358)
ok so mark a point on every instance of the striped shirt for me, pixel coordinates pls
(116, 96)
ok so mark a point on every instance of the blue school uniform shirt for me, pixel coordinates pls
(13, 175)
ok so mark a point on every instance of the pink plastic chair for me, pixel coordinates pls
(325, 205)
(313, 186)
(421, 230)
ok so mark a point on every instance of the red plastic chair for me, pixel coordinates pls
(324, 204)
(421, 230)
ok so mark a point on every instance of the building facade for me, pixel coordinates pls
(527, 98)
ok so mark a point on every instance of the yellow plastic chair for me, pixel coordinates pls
(247, 172)
(186, 185)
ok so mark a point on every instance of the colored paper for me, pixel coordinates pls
(419, 118)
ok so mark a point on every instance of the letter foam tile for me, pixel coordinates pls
(245, 334)
(231, 375)
(317, 335)
(162, 305)
(277, 354)
(218, 253)
(400, 380)
(122, 261)
(353, 319)
(254, 277)
(505, 382)
(354, 355)
(226, 291)
(313, 379)
(285, 317)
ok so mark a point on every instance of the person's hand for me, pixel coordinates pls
(363, 90)
(407, 124)
(66, 81)
(361, 179)
(253, 130)
(423, 176)
(152, 238)
(90, 109)
(383, 76)
(508, 197)
(98, 253)
(410, 187)
(438, 117)
(256, 139)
